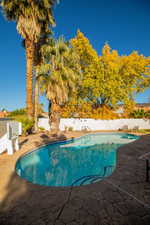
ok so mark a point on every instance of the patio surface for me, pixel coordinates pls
(121, 199)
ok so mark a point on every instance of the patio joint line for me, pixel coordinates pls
(63, 206)
(127, 193)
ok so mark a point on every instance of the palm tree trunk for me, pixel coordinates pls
(49, 109)
(55, 116)
(29, 77)
(36, 103)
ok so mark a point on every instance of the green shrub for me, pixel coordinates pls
(17, 112)
(139, 113)
(27, 124)
(41, 128)
(70, 128)
(144, 131)
(21, 116)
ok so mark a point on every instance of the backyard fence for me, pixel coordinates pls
(93, 124)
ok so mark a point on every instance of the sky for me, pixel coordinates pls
(124, 24)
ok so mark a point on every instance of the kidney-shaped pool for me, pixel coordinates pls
(81, 161)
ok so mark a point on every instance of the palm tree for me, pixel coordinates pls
(32, 19)
(58, 76)
(37, 62)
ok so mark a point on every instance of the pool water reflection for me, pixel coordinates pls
(78, 162)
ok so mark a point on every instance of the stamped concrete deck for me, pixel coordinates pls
(121, 199)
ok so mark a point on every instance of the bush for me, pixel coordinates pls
(27, 124)
(70, 128)
(21, 116)
(144, 131)
(17, 112)
(41, 128)
(140, 113)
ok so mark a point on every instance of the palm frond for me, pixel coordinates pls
(32, 17)
(63, 70)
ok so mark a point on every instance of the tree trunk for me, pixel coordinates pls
(36, 103)
(29, 77)
(49, 109)
(54, 116)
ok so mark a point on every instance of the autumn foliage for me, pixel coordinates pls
(106, 80)
(101, 84)
(87, 110)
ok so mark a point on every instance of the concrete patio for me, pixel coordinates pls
(121, 199)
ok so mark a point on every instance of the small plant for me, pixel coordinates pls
(21, 116)
(27, 125)
(41, 128)
(17, 112)
(139, 113)
(70, 128)
(144, 131)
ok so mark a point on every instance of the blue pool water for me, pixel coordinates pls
(77, 162)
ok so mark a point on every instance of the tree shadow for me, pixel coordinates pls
(26, 203)
(45, 139)
(24, 200)
(14, 188)
(23, 142)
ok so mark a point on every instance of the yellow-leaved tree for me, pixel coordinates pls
(110, 79)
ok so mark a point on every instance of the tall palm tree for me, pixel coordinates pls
(37, 62)
(32, 19)
(57, 76)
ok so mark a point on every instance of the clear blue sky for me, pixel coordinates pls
(124, 24)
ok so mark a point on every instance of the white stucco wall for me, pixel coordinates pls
(44, 123)
(3, 143)
(92, 124)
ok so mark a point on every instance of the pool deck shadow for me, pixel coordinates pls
(121, 199)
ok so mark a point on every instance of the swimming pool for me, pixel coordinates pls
(81, 161)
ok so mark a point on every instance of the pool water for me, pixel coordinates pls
(81, 161)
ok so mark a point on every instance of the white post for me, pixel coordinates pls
(9, 141)
(10, 147)
(16, 144)
(20, 128)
